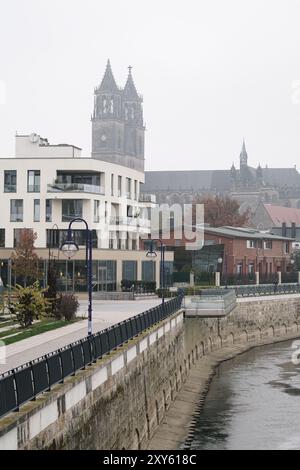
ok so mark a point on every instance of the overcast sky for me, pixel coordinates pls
(210, 72)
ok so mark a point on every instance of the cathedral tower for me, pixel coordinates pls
(117, 123)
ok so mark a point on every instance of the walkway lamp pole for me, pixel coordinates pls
(152, 254)
(70, 248)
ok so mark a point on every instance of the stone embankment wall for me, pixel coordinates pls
(120, 401)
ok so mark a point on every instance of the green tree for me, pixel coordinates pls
(28, 304)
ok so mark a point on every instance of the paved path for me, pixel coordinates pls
(105, 313)
(268, 297)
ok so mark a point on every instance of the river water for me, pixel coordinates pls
(253, 402)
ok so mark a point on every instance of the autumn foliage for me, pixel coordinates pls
(220, 211)
(25, 262)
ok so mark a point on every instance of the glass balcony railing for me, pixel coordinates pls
(10, 188)
(75, 187)
(15, 217)
(147, 198)
(130, 221)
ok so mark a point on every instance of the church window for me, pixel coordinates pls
(104, 105)
(126, 112)
(133, 112)
(111, 105)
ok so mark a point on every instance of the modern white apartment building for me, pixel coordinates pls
(43, 187)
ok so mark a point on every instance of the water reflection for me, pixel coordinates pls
(253, 403)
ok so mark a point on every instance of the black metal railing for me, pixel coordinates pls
(265, 289)
(24, 383)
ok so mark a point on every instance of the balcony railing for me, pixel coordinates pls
(16, 217)
(131, 221)
(10, 188)
(74, 188)
(148, 198)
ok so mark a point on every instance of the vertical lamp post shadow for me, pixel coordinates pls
(152, 254)
(70, 248)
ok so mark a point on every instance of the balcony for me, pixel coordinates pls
(130, 221)
(148, 198)
(75, 188)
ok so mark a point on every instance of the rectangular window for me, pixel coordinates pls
(286, 247)
(2, 237)
(128, 188)
(48, 217)
(251, 268)
(148, 271)
(112, 185)
(16, 210)
(33, 181)
(135, 190)
(71, 209)
(239, 268)
(129, 271)
(10, 181)
(119, 186)
(268, 245)
(96, 211)
(251, 243)
(36, 210)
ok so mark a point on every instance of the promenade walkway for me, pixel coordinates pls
(105, 313)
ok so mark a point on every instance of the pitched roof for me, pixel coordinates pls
(108, 83)
(243, 232)
(130, 92)
(186, 180)
(280, 215)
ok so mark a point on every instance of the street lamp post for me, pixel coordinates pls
(70, 248)
(152, 254)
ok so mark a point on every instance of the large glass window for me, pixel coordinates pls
(48, 210)
(129, 271)
(119, 185)
(55, 237)
(16, 210)
(2, 237)
(33, 181)
(71, 208)
(36, 210)
(10, 181)
(148, 271)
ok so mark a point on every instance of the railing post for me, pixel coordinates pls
(217, 279)
(257, 278)
(298, 277)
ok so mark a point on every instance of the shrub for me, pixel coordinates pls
(28, 304)
(67, 306)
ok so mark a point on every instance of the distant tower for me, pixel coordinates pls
(243, 156)
(233, 175)
(117, 123)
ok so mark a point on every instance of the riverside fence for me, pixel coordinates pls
(24, 383)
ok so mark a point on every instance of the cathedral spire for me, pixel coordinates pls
(130, 92)
(108, 83)
(243, 155)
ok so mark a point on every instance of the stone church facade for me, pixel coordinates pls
(249, 186)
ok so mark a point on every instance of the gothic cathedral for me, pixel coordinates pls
(117, 123)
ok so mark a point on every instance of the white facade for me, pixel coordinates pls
(107, 195)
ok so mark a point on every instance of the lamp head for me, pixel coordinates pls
(69, 248)
(151, 253)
